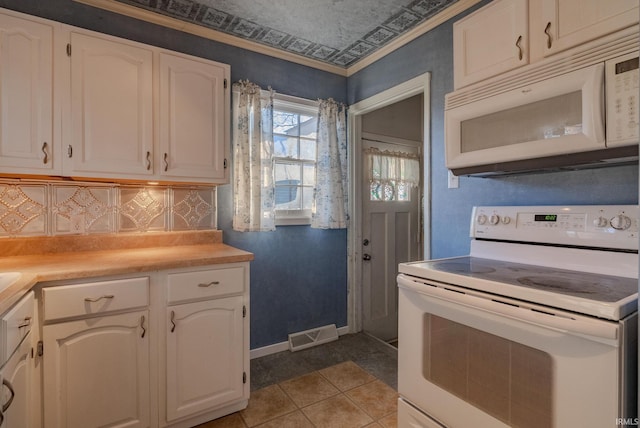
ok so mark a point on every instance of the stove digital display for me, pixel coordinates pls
(546, 217)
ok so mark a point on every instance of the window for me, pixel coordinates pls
(294, 150)
(392, 175)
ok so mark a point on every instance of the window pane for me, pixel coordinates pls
(287, 198)
(285, 123)
(308, 149)
(285, 146)
(308, 127)
(286, 173)
(309, 174)
(403, 192)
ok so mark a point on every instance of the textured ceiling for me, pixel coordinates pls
(338, 32)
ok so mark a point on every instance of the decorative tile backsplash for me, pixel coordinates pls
(41, 208)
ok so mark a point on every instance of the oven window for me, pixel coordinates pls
(508, 380)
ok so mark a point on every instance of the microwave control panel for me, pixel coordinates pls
(621, 77)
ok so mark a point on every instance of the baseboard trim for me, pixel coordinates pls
(282, 346)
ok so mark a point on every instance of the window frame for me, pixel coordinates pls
(300, 106)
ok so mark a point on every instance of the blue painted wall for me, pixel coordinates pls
(299, 276)
(451, 208)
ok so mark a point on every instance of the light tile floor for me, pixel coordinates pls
(340, 396)
(349, 383)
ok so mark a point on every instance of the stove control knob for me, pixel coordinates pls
(621, 222)
(601, 222)
(482, 219)
(506, 219)
(494, 219)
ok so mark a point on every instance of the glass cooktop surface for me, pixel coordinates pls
(603, 288)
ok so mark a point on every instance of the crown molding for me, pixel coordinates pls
(218, 36)
(208, 33)
(428, 25)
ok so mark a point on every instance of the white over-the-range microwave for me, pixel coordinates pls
(585, 117)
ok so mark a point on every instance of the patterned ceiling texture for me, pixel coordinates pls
(337, 32)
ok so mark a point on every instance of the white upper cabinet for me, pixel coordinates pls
(193, 118)
(507, 34)
(557, 25)
(111, 108)
(490, 41)
(82, 104)
(26, 97)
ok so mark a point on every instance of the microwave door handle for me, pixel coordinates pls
(549, 321)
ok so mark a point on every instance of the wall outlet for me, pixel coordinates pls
(77, 223)
(453, 181)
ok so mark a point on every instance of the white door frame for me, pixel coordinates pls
(415, 86)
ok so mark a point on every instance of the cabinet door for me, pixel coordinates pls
(490, 41)
(26, 92)
(96, 372)
(204, 356)
(17, 372)
(111, 108)
(193, 112)
(563, 24)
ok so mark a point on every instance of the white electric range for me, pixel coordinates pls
(536, 327)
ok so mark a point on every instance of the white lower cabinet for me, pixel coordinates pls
(16, 389)
(170, 349)
(206, 369)
(96, 372)
(204, 356)
(17, 395)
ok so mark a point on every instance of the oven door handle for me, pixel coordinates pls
(558, 322)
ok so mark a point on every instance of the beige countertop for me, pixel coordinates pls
(52, 259)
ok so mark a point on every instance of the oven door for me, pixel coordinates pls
(468, 359)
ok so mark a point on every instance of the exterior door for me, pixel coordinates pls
(391, 233)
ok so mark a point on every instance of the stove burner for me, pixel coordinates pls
(561, 284)
(460, 267)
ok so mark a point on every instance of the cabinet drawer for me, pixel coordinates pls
(16, 324)
(95, 298)
(205, 284)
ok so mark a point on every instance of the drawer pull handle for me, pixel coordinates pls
(144, 330)
(166, 161)
(202, 284)
(97, 299)
(25, 323)
(173, 321)
(6, 406)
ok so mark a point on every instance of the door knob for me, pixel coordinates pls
(366, 257)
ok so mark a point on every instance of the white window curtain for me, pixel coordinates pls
(393, 167)
(330, 194)
(254, 192)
